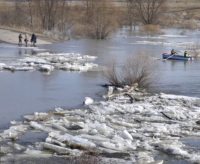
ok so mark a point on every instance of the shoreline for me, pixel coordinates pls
(11, 37)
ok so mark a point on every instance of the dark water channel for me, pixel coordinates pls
(28, 92)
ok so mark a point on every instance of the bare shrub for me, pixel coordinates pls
(149, 11)
(130, 16)
(6, 16)
(150, 28)
(167, 20)
(191, 24)
(88, 157)
(79, 30)
(139, 69)
(112, 74)
(101, 17)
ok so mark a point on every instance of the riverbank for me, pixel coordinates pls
(135, 127)
(11, 36)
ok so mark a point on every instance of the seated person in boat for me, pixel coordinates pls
(186, 54)
(173, 52)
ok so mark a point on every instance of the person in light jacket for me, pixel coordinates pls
(26, 40)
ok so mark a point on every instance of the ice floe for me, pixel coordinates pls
(140, 129)
(47, 62)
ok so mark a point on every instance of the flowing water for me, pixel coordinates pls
(28, 92)
(24, 93)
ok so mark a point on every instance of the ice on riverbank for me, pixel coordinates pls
(139, 130)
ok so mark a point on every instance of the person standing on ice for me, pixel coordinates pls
(33, 39)
(26, 39)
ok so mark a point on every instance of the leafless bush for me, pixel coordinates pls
(79, 30)
(150, 28)
(6, 16)
(139, 69)
(87, 157)
(149, 11)
(101, 17)
(167, 20)
(191, 24)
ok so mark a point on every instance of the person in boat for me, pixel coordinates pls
(186, 54)
(173, 52)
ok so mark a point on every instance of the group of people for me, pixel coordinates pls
(173, 52)
(26, 39)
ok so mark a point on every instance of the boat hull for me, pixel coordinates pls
(176, 57)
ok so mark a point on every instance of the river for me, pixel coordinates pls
(28, 92)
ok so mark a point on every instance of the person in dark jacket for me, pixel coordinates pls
(20, 38)
(33, 39)
(173, 52)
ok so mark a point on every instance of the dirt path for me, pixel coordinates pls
(12, 37)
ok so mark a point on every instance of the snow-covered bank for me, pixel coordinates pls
(47, 62)
(134, 127)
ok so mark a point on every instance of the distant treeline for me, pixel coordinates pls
(89, 18)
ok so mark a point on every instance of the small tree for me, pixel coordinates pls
(7, 18)
(139, 69)
(149, 10)
(130, 14)
(49, 12)
(101, 18)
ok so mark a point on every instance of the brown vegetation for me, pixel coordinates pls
(99, 19)
(48, 15)
(96, 19)
(148, 11)
(139, 69)
(150, 28)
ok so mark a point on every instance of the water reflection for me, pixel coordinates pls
(186, 63)
(20, 51)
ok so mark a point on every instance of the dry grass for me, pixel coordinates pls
(150, 28)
